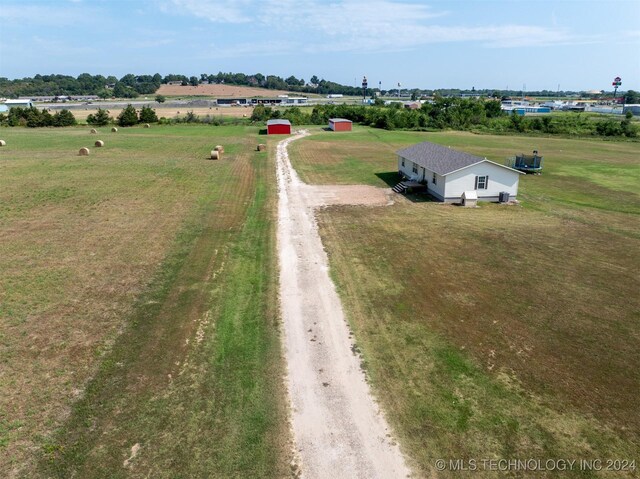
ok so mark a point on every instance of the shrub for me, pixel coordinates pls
(148, 115)
(128, 116)
(64, 118)
(100, 118)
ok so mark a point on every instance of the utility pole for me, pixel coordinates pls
(364, 89)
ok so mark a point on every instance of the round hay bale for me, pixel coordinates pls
(244, 115)
(218, 148)
(262, 147)
(147, 125)
(99, 143)
(215, 155)
(93, 130)
(83, 152)
(114, 130)
(3, 143)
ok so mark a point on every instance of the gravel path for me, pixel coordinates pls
(339, 430)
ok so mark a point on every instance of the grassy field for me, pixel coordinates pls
(138, 313)
(502, 331)
(171, 112)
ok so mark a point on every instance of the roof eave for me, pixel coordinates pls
(482, 161)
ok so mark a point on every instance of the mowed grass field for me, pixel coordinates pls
(138, 310)
(501, 331)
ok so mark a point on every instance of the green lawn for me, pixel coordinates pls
(502, 331)
(139, 310)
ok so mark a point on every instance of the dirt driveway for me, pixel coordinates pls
(339, 429)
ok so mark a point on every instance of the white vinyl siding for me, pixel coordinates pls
(498, 179)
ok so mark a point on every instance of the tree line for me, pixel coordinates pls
(456, 114)
(442, 113)
(33, 118)
(131, 86)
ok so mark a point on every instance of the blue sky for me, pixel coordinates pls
(579, 45)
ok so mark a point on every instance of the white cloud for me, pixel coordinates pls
(45, 15)
(227, 11)
(216, 51)
(363, 26)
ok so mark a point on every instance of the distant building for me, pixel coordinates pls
(634, 108)
(232, 101)
(340, 124)
(295, 100)
(280, 100)
(22, 103)
(522, 107)
(278, 127)
(448, 173)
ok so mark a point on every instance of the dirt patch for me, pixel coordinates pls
(231, 91)
(327, 195)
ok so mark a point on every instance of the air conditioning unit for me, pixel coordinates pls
(503, 197)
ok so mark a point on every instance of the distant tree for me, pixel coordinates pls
(191, 117)
(147, 115)
(292, 81)
(128, 116)
(160, 98)
(493, 109)
(632, 97)
(260, 113)
(104, 93)
(37, 118)
(193, 81)
(517, 121)
(121, 90)
(100, 118)
(129, 80)
(64, 118)
(628, 129)
(314, 80)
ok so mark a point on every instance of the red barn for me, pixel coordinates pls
(278, 127)
(340, 124)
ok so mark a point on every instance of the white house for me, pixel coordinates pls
(448, 173)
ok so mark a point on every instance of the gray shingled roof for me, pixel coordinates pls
(439, 159)
(278, 122)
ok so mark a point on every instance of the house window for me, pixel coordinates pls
(415, 168)
(482, 182)
(434, 179)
